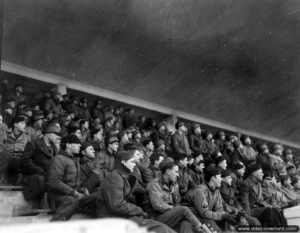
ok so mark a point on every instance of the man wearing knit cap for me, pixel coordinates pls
(105, 159)
(88, 174)
(207, 201)
(179, 140)
(64, 173)
(253, 202)
(113, 195)
(35, 163)
(232, 205)
(165, 200)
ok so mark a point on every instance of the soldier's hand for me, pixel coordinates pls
(230, 219)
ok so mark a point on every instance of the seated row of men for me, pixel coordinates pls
(53, 166)
(178, 192)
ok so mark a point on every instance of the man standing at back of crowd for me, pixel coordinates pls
(179, 140)
(253, 201)
(64, 173)
(196, 141)
(35, 164)
(18, 94)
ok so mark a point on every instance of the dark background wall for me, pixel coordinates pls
(233, 61)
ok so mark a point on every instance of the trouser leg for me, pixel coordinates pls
(252, 221)
(152, 225)
(269, 216)
(177, 215)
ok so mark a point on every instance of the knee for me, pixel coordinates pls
(183, 209)
(253, 221)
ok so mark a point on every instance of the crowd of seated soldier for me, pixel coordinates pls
(37, 147)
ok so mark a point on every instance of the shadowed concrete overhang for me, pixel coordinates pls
(232, 63)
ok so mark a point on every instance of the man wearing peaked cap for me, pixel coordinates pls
(105, 158)
(34, 130)
(35, 163)
(64, 172)
(179, 140)
(253, 202)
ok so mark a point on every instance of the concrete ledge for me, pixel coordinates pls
(111, 225)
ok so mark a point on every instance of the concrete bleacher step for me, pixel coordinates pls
(12, 203)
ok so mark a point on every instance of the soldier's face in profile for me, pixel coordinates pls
(259, 174)
(173, 173)
(227, 180)
(218, 180)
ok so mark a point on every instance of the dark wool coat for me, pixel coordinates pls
(35, 163)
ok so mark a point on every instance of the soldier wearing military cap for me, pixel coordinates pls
(253, 202)
(35, 163)
(105, 159)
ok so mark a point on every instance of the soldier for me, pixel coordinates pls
(221, 162)
(64, 173)
(185, 181)
(114, 197)
(179, 140)
(165, 200)
(105, 159)
(208, 202)
(196, 171)
(35, 164)
(272, 191)
(288, 190)
(155, 161)
(232, 205)
(253, 202)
